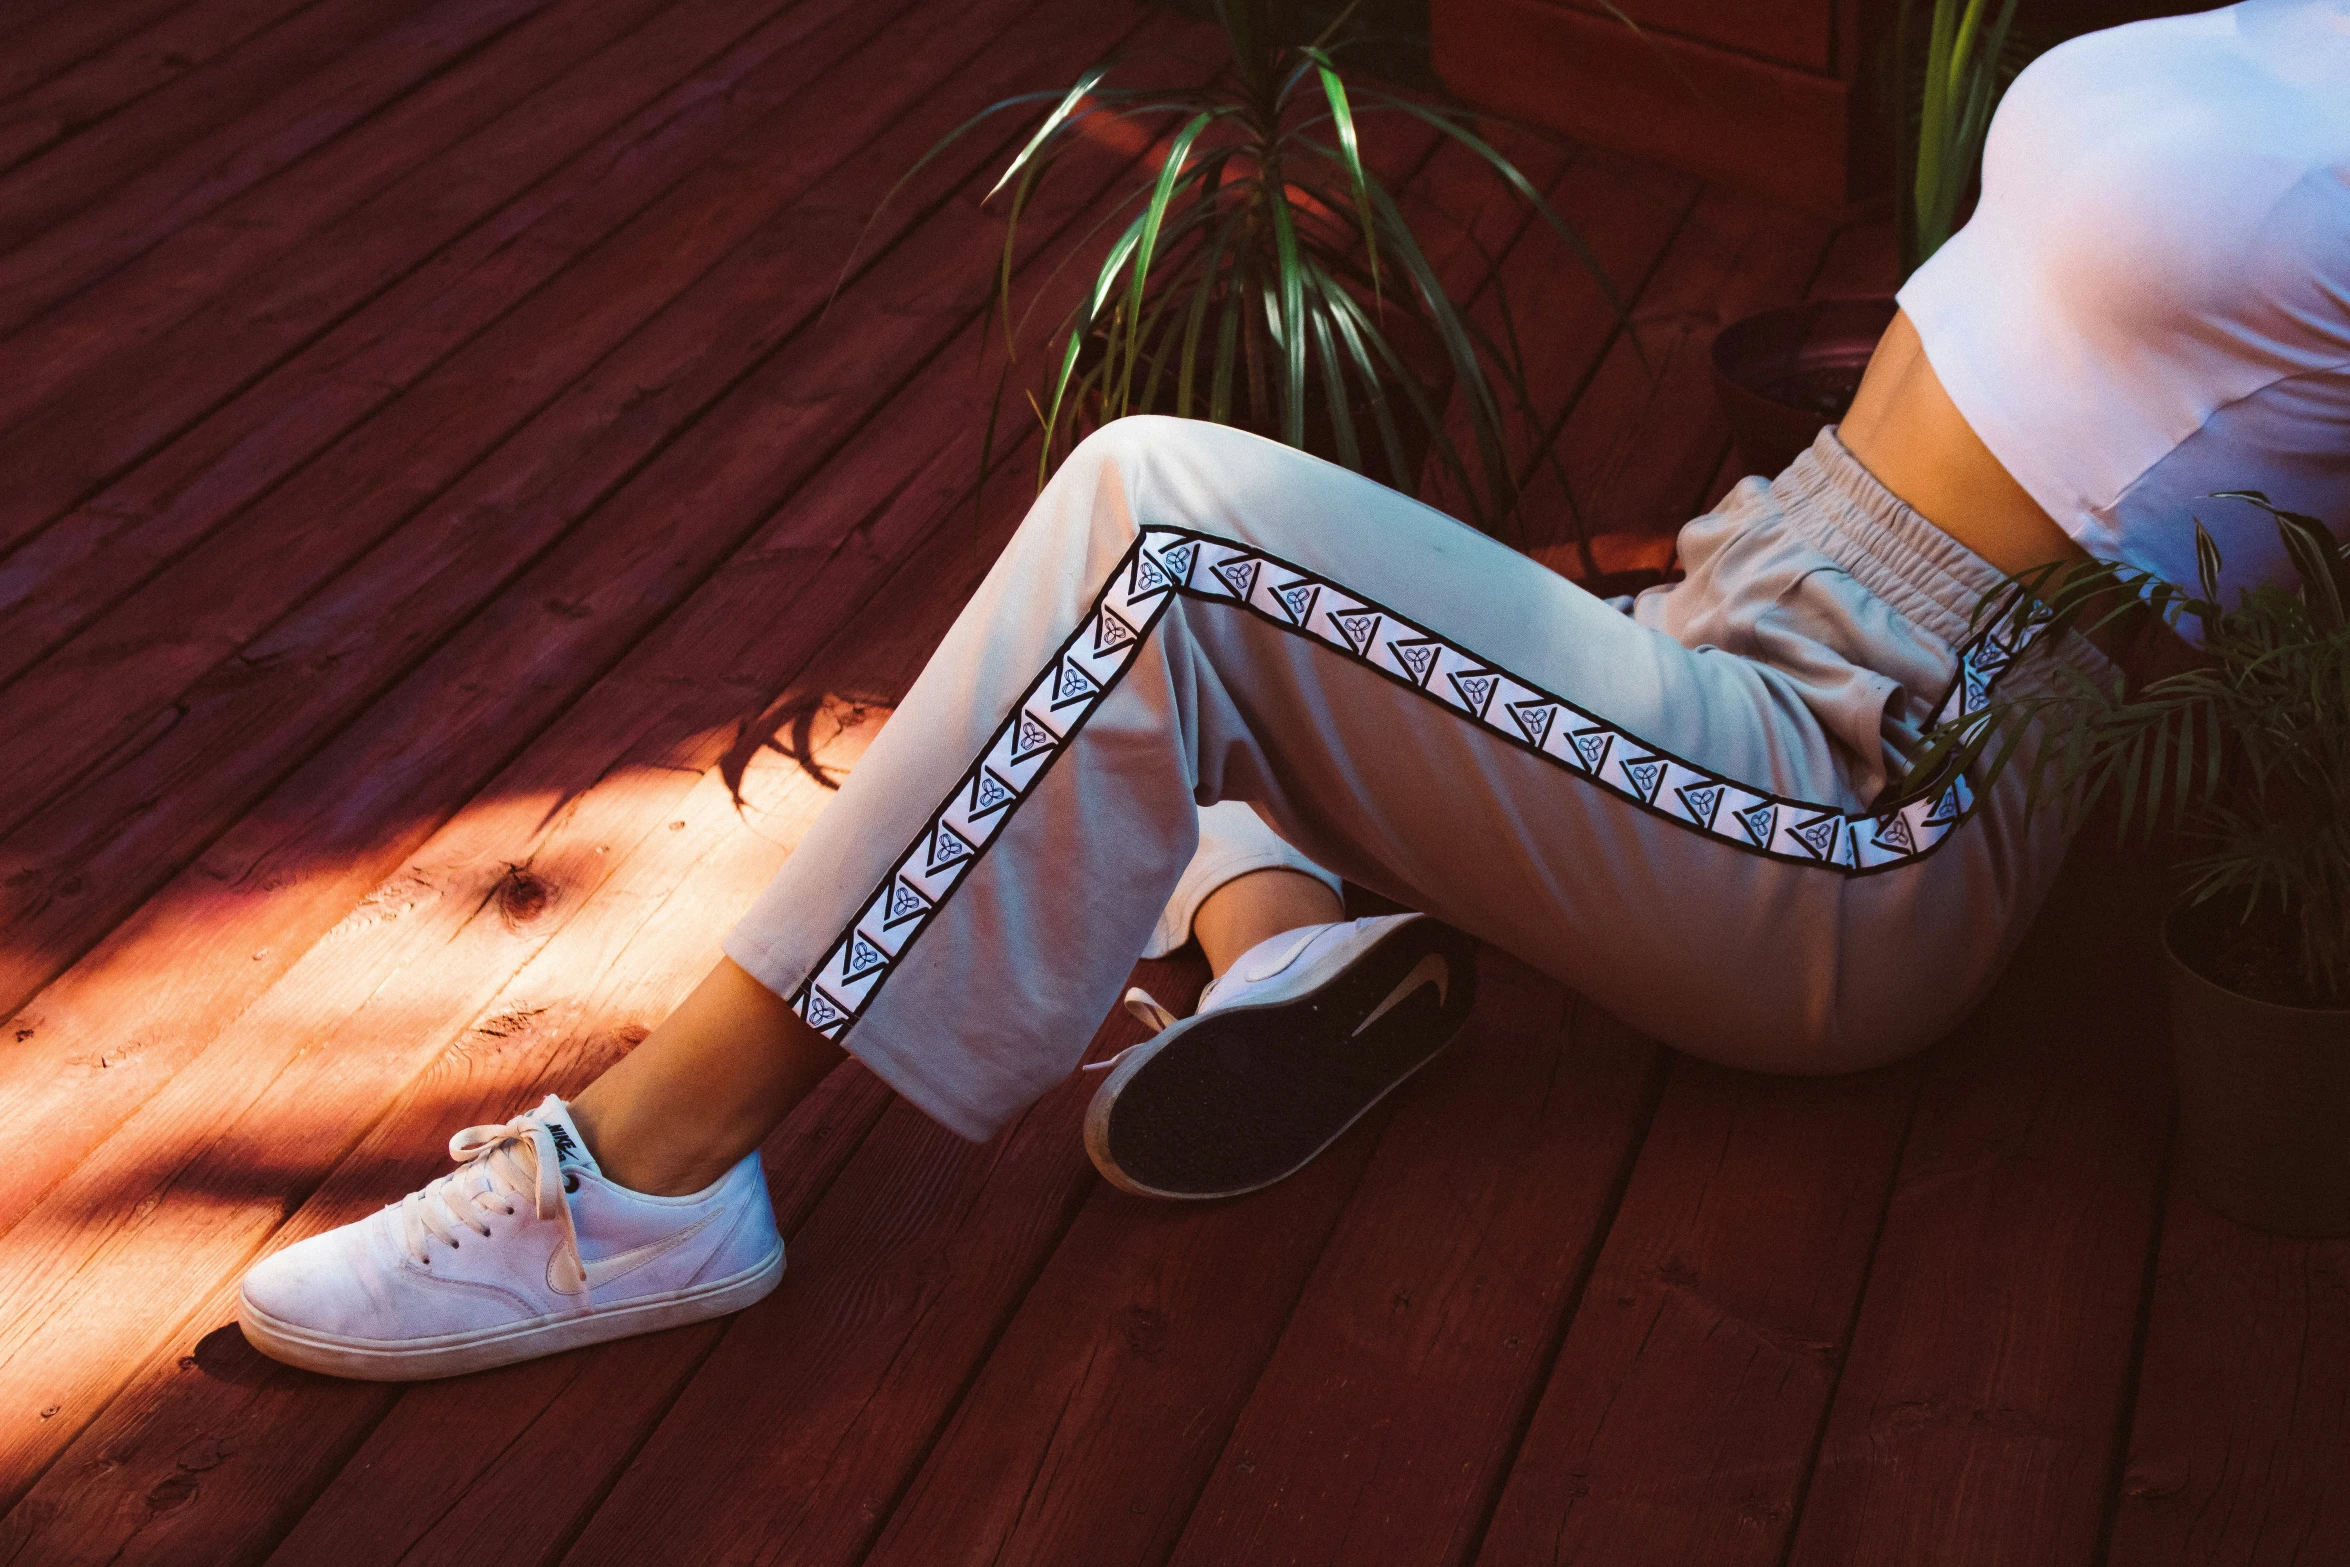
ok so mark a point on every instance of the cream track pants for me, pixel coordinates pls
(1675, 810)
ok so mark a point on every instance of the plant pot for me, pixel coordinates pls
(1785, 375)
(2264, 1100)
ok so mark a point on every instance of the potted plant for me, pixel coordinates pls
(2245, 757)
(1267, 278)
(1783, 375)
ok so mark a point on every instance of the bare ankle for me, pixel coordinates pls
(704, 1089)
(1256, 907)
(650, 1159)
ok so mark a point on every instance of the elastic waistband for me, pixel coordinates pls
(1934, 581)
(1842, 510)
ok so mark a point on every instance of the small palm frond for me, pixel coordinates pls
(1968, 64)
(1264, 275)
(2246, 756)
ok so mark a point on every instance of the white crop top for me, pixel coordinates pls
(2152, 301)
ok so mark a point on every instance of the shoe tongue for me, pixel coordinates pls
(1267, 958)
(571, 1149)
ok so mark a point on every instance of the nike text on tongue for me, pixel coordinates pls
(570, 1147)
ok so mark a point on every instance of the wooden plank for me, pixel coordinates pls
(805, 1422)
(382, 982)
(1642, 442)
(1646, 435)
(549, 1423)
(1786, 135)
(1864, 257)
(900, 632)
(1977, 1417)
(586, 591)
(1559, 313)
(392, 1502)
(425, 747)
(1680, 1419)
(1385, 1418)
(311, 286)
(1800, 33)
(43, 39)
(2241, 1435)
(62, 578)
(1100, 1412)
(92, 1281)
(385, 613)
(629, 944)
(216, 130)
(848, 1275)
(352, 231)
(1726, 476)
(685, 676)
(1564, 321)
(97, 289)
(107, 81)
(374, 1510)
(88, 1049)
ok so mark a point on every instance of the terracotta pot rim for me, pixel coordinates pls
(1753, 356)
(1730, 342)
(2187, 970)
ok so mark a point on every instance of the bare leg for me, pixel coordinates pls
(705, 1088)
(709, 1084)
(1249, 909)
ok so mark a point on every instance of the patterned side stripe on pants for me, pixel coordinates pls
(1166, 562)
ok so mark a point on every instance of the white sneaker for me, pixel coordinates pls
(1287, 1050)
(523, 1250)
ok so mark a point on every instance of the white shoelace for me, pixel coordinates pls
(495, 1165)
(1147, 1009)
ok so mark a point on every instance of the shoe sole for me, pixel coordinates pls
(454, 1354)
(1234, 1100)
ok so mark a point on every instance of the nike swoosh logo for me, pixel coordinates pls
(1430, 970)
(604, 1270)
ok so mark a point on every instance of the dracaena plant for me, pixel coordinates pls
(1968, 64)
(1262, 274)
(2246, 756)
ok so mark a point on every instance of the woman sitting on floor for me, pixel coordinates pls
(1677, 810)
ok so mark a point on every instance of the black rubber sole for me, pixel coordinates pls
(1237, 1099)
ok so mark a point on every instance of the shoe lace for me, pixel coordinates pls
(495, 1165)
(1146, 1009)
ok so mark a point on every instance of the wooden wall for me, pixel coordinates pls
(1779, 97)
(1772, 96)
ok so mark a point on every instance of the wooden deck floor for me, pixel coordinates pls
(450, 551)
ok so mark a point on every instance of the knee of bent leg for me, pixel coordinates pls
(1133, 472)
(1132, 445)
(1104, 474)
